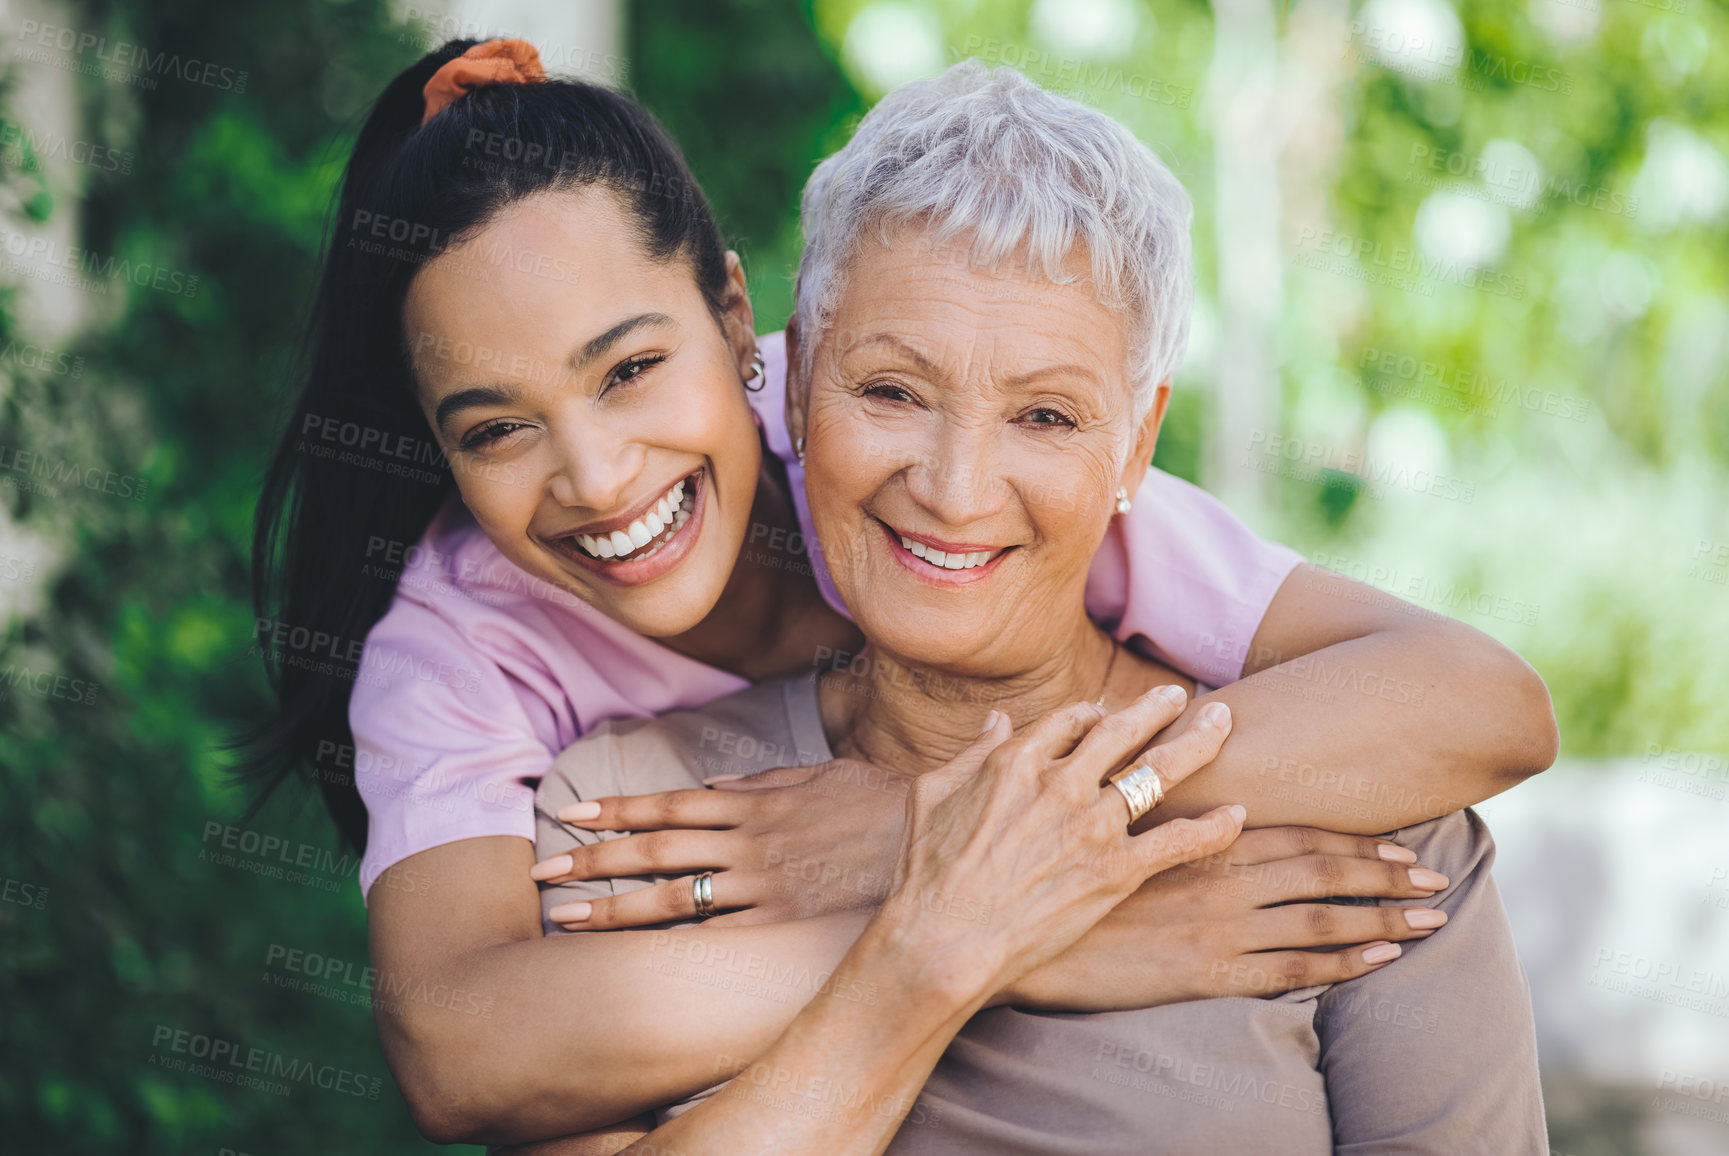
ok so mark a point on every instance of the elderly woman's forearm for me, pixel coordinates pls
(1378, 732)
(845, 1073)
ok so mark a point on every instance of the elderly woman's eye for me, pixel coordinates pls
(1045, 415)
(887, 392)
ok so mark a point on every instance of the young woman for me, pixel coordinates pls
(525, 277)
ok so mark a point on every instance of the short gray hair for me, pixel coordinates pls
(992, 154)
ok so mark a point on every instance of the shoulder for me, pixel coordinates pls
(470, 640)
(742, 733)
(1184, 572)
(455, 592)
(755, 720)
(456, 568)
(1178, 522)
(1457, 844)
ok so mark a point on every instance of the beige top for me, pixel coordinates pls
(1435, 1053)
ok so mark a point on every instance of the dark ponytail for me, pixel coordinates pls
(358, 477)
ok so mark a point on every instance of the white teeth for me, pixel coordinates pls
(959, 560)
(672, 511)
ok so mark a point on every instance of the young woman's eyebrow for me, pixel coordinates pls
(598, 347)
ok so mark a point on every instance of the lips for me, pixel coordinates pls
(643, 536)
(945, 563)
(947, 559)
(656, 536)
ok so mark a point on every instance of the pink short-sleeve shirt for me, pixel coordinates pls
(479, 673)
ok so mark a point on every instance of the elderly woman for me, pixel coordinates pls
(992, 300)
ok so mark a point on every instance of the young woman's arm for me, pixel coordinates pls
(496, 1034)
(1361, 713)
(1358, 713)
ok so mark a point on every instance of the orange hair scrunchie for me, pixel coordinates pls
(494, 62)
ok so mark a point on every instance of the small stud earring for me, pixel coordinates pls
(1123, 505)
(798, 450)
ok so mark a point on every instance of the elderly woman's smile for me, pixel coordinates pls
(967, 429)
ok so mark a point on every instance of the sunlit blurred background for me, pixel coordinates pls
(1462, 332)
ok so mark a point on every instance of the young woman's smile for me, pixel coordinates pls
(644, 543)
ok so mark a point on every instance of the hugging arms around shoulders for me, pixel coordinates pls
(1434, 1053)
(473, 919)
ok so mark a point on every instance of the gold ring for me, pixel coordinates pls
(702, 890)
(1142, 789)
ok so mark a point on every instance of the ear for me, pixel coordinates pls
(797, 386)
(1147, 438)
(738, 322)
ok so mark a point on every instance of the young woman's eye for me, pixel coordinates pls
(490, 433)
(1045, 415)
(633, 368)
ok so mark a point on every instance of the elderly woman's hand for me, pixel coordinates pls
(1006, 865)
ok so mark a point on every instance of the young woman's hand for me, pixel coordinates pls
(1211, 927)
(785, 844)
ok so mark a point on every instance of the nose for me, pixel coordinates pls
(595, 465)
(958, 479)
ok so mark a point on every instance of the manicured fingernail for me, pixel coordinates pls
(550, 868)
(1423, 918)
(577, 812)
(990, 721)
(1238, 811)
(1380, 953)
(1216, 714)
(1426, 879)
(1394, 853)
(570, 912)
(1175, 693)
(713, 779)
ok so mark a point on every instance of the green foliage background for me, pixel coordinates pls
(119, 922)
